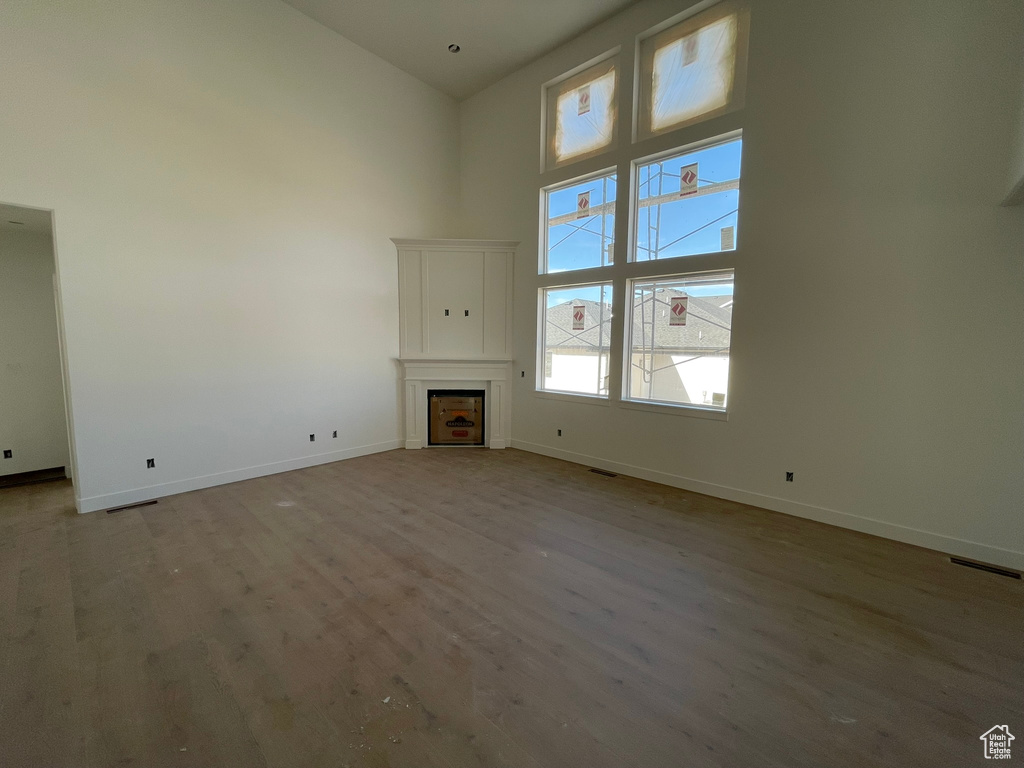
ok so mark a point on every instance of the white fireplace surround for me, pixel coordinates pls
(455, 329)
(421, 376)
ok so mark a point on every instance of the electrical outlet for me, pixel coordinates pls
(150, 463)
(559, 433)
(335, 433)
(8, 454)
(312, 438)
(789, 477)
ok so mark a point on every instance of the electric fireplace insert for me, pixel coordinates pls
(456, 417)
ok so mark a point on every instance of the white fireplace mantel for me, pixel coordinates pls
(420, 375)
(455, 328)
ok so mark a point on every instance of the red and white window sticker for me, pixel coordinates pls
(579, 314)
(583, 99)
(677, 310)
(582, 205)
(688, 179)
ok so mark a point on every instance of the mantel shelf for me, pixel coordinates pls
(473, 245)
(456, 360)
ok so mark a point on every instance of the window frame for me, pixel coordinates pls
(545, 192)
(676, 29)
(592, 70)
(542, 347)
(696, 146)
(708, 411)
(622, 158)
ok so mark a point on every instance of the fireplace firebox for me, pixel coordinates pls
(456, 417)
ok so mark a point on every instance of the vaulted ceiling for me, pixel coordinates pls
(496, 37)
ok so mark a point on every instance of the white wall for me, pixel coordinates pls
(1015, 194)
(225, 176)
(32, 420)
(878, 349)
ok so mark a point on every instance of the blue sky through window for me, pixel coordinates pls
(668, 224)
(585, 242)
(683, 226)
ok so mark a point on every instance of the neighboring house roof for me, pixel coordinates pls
(559, 332)
(707, 326)
(706, 331)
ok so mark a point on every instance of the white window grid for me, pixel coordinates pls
(625, 155)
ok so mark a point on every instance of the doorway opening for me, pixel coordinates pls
(35, 423)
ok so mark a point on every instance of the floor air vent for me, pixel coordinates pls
(983, 567)
(131, 506)
(604, 472)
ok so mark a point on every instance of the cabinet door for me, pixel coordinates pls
(497, 304)
(455, 287)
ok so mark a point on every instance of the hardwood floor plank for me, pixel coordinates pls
(486, 608)
(41, 718)
(153, 695)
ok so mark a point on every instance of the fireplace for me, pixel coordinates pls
(456, 417)
(455, 334)
(422, 377)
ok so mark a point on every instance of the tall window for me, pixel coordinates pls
(673, 268)
(580, 231)
(688, 203)
(680, 332)
(577, 338)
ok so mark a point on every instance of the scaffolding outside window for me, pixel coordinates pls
(688, 203)
(581, 115)
(681, 330)
(580, 225)
(673, 330)
(576, 339)
(693, 70)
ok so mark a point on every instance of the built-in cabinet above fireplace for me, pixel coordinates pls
(455, 298)
(455, 328)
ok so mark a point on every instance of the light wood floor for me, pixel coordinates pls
(486, 608)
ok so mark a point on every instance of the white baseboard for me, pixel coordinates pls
(1007, 558)
(122, 498)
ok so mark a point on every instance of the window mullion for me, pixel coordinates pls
(620, 271)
